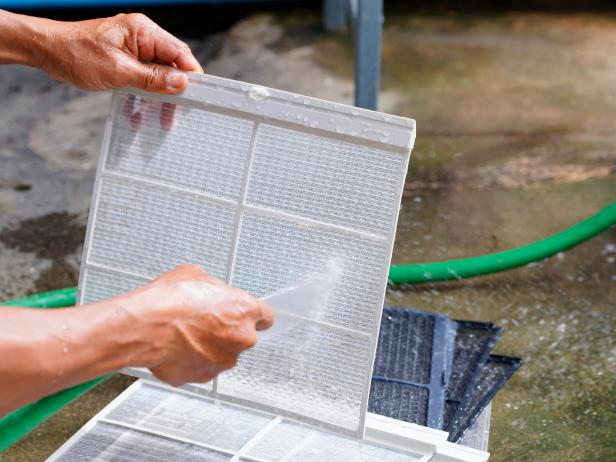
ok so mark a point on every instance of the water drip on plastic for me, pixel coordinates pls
(258, 93)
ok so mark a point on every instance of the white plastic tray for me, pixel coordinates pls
(157, 423)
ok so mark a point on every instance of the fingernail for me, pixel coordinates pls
(175, 80)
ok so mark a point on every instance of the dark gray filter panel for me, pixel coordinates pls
(494, 374)
(412, 366)
(473, 344)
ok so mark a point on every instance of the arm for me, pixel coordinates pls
(186, 326)
(127, 50)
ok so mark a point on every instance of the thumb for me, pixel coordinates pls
(157, 78)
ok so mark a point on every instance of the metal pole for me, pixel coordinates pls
(368, 32)
(334, 15)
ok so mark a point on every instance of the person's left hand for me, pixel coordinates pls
(127, 50)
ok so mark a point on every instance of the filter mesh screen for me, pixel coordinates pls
(106, 284)
(412, 365)
(262, 199)
(108, 443)
(275, 252)
(327, 180)
(157, 423)
(184, 154)
(399, 401)
(186, 416)
(474, 341)
(148, 229)
(313, 369)
(493, 375)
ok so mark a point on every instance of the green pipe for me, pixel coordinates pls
(501, 261)
(54, 299)
(16, 425)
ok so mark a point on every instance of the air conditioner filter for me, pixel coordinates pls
(155, 423)
(473, 344)
(494, 374)
(412, 366)
(262, 188)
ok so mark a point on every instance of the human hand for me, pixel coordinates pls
(127, 50)
(198, 325)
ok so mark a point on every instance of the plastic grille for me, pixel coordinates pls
(449, 411)
(399, 401)
(412, 366)
(109, 443)
(493, 376)
(313, 370)
(147, 229)
(107, 284)
(473, 344)
(274, 253)
(158, 423)
(474, 341)
(276, 445)
(186, 416)
(405, 346)
(324, 179)
(263, 189)
(200, 150)
(333, 449)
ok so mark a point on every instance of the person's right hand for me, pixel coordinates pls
(198, 325)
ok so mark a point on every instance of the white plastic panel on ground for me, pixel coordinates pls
(264, 189)
(160, 424)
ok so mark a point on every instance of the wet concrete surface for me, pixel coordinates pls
(516, 140)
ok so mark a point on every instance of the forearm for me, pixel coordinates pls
(44, 351)
(23, 39)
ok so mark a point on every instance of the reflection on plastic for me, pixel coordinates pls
(135, 106)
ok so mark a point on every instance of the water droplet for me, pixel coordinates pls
(258, 93)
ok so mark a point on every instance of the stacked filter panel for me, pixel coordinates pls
(156, 423)
(434, 371)
(264, 189)
(412, 367)
(472, 346)
(491, 377)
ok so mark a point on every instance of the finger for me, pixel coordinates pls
(135, 121)
(265, 317)
(132, 113)
(165, 63)
(158, 45)
(167, 112)
(129, 107)
(154, 77)
(173, 50)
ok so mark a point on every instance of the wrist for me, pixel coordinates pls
(138, 336)
(24, 39)
(108, 336)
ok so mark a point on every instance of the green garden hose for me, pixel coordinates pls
(509, 259)
(16, 425)
(54, 299)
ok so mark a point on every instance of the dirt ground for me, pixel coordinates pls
(516, 140)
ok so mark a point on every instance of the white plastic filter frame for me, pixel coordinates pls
(286, 178)
(137, 422)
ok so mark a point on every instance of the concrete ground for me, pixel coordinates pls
(516, 140)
